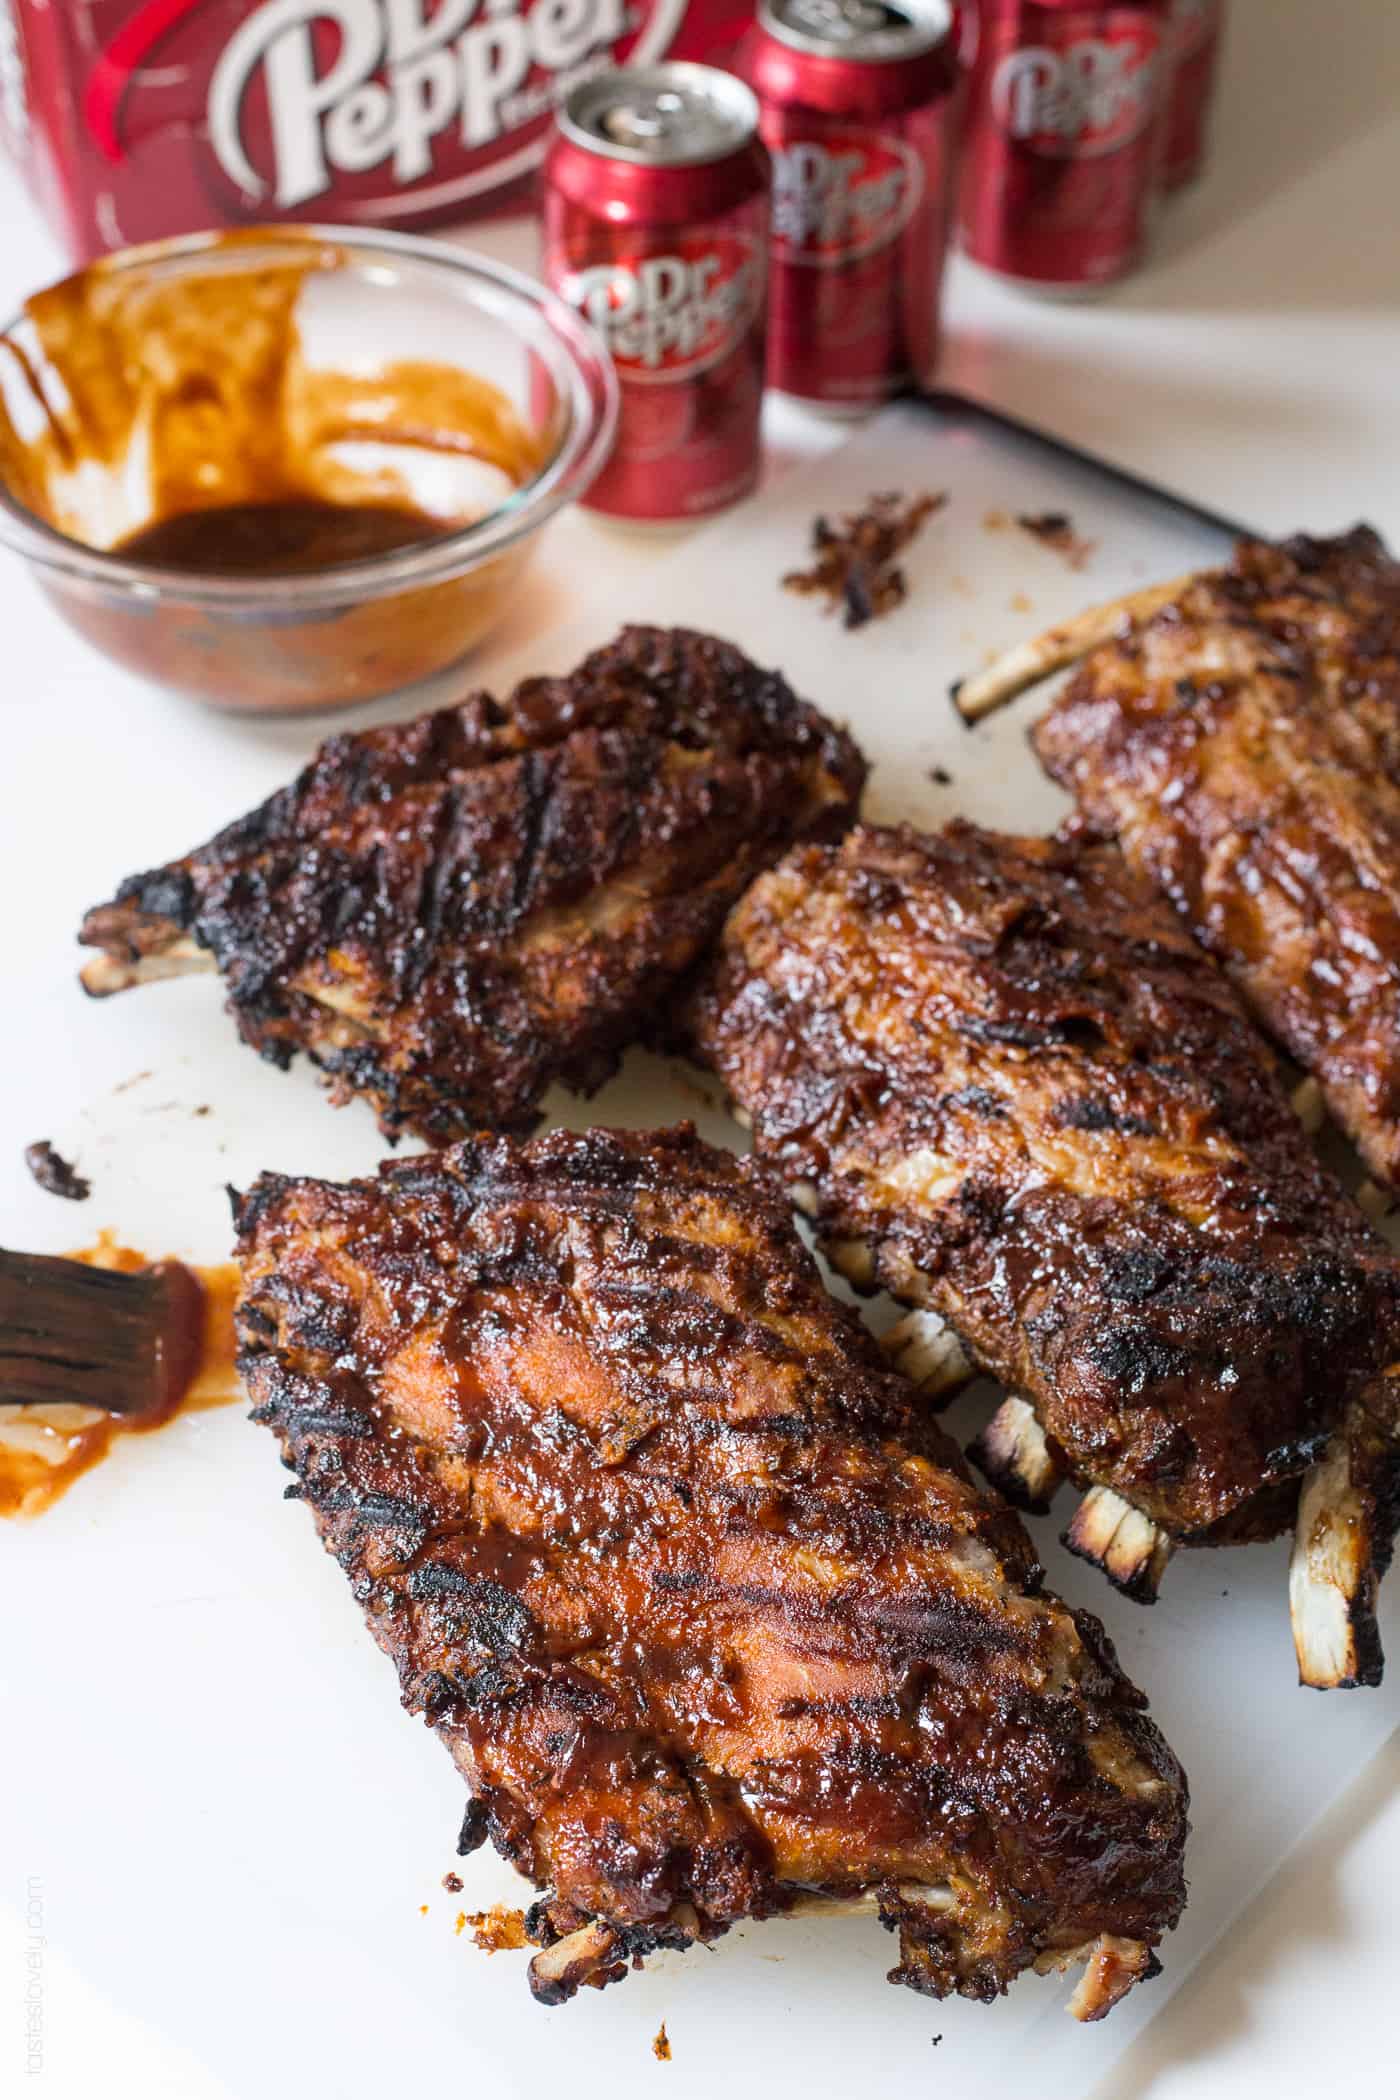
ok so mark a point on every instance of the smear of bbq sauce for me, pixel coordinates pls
(43, 1450)
(496, 1931)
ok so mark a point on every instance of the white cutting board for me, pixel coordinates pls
(227, 1826)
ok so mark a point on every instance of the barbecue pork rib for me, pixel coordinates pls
(449, 913)
(1013, 1092)
(700, 1600)
(1243, 745)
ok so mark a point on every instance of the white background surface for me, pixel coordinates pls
(1255, 364)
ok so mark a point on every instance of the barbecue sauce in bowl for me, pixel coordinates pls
(182, 418)
(295, 537)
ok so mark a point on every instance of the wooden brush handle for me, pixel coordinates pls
(98, 1337)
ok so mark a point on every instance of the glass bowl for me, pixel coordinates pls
(151, 385)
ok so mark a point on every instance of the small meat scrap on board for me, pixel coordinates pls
(855, 567)
(450, 913)
(700, 1599)
(1055, 530)
(1243, 745)
(56, 1175)
(1012, 1091)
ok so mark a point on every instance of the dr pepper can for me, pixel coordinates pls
(656, 205)
(1064, 127)
(1198, 25)
(858, 103)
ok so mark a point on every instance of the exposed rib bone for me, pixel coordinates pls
(865, 1903)
(926, 1349)
(106, 974)
(1057, 648)
(934, 1895)
(1327, 1602)
(1015, 1457)
(1132, 1551)
(1309, 1105)
(855, 1259)
(579, 1958)
(1348, 1510)
(1113, 1966)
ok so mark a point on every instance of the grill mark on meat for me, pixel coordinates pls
(1090, 1115)
(450, 914)
(1140, 1242)
(779, 1645)
(1244, 746)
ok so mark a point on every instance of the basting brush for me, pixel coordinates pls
(128, 1342)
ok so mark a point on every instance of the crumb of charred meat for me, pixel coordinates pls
(54, 1174)
(855, 567)
(1242, 741)
(449, 914)
(1002, 1069)
(1055, 530)
(707, 1610)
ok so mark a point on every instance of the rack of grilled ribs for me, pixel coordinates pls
(1243, 745)
(695, 1591)
(447, 914)
(1014, 1093)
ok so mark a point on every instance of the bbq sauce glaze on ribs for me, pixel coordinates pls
(449, 913)
(701, 1601)
(1012, 1091)
(1243, 745)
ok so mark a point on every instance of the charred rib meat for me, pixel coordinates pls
(707, 1612)
(1244, 746)
(449, 913)
(1014, 1092)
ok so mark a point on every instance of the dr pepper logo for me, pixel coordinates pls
(667, 316)
(305, 95)
(842, 197)
(1087, 94)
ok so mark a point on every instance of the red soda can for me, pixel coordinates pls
(655, 215)
(1197, 24)
(1064, 126)
(857, 102)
